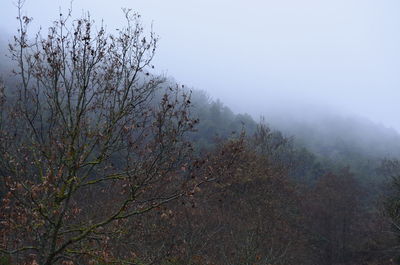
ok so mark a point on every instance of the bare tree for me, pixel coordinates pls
(87, 142)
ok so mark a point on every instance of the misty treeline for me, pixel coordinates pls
(103, 162)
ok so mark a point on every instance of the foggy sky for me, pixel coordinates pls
(264, 54)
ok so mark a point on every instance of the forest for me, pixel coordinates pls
(104, 162)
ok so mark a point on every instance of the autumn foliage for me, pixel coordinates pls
(99, 164)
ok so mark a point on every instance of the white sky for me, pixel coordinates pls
(260, 54)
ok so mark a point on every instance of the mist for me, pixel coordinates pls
(247, 132)
(265, 58)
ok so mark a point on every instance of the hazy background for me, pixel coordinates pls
(266, 56)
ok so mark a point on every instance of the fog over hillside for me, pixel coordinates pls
(324, 131)
(328, 85)
(200, 132)
(259, 55)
